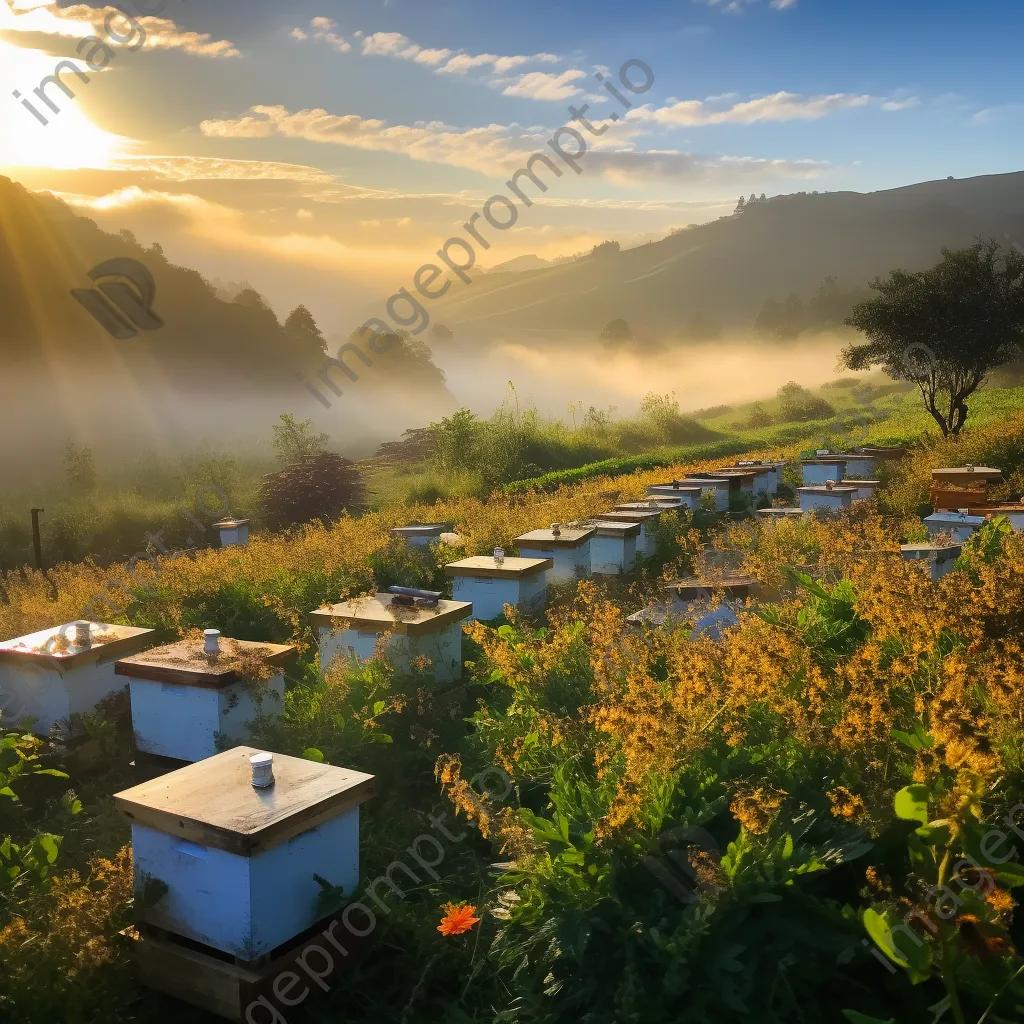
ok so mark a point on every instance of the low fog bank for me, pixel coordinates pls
(126, 422)
(728, 371)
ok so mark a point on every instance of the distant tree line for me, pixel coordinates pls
(788, 318)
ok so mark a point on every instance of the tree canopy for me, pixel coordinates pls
(945, 328)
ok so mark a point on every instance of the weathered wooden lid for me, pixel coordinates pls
(700, 482)
(637, 515)
(741, 472)
(568, 537)
(230, 524)
(657, 504)
(213, 802)
(927, 550)
(735, 583)
(967, 473)
(824, 462)
(613, 528)
(484, 567)
(842, 488)
(687, 486)
(779, 513)
(185, 663)
(421, 530)
(56, 645)
(378, 613)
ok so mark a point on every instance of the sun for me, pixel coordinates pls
(69, 140)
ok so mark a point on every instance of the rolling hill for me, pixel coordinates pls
(722, 272)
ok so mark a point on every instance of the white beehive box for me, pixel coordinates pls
(187, 704)
(613, 547)
(489, 584)
(568, 547)
(238, 862)
(819, 471)
(233, 532)
(826, 497)
(751, 481)
(421, 534)
(860, 467)
(961, 526)
(1015, 513)
(353, 628)
(694, 598)
(48, 675)
(680, 493)
(775, 514)
(866, 489)
(939, 558)
(646, 517)
(721, 487)
(773, 469)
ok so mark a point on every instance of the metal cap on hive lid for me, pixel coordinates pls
(211, 641)
(499, 556)
(556, 529)
(83, 634)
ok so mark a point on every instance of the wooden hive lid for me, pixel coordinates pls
(685, 486)
(230, 524)
(968, 472)
(420, 529)
(484, 567)
(823, 461)
(615, 528)
(57, 647)
(569, 537)
(658, 505)
(378, 613)
(638, 515)
(843, 488)
(729, 581)
(213, 802)
(923, 550)
(184, 663)
(699, 480)
(952, 516)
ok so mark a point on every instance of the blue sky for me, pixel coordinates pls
(308, 143)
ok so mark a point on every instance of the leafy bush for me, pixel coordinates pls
(317, 487)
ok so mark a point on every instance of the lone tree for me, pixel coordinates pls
(616, 332)
(945, 328)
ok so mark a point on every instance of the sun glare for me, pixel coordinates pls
(70, 140)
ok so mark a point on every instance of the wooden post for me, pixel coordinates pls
(37, 544)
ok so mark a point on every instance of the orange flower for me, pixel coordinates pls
(458, 918)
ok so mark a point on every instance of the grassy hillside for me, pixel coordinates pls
(721, 273)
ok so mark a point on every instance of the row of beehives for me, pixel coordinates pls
(183, 698)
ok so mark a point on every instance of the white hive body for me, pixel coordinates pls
(613, 547)
(817, 472)
(680, 493)
(776, 514)
(647, 518)
(860, 467)
(421, 534)
(694, 599)
(866, 489)
(233, 532)
(720, 487)
(826, 498)
(939, 558)
(488, 584)
(187, 703)
(958, 525)
(236, 862)
(351, 631)
(567, 547)
(50, 675)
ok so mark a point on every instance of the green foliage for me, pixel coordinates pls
(946, 328)
(293, 441)
(79, 468)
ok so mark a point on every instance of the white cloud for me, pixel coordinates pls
(322, 30)
(81, 21)
(544, 85)
(901, 104)
(781, 106)
(736, 6)
(445, 60)
(497, 150)
(208, 168)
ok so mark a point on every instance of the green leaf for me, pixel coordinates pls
(1010, 875)
(911, 803)
(51, 771)
(379, 706)
(50, 844)
(71, 803)
(312, 754)
(935, 833)
(506, 632)
(382, 737)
